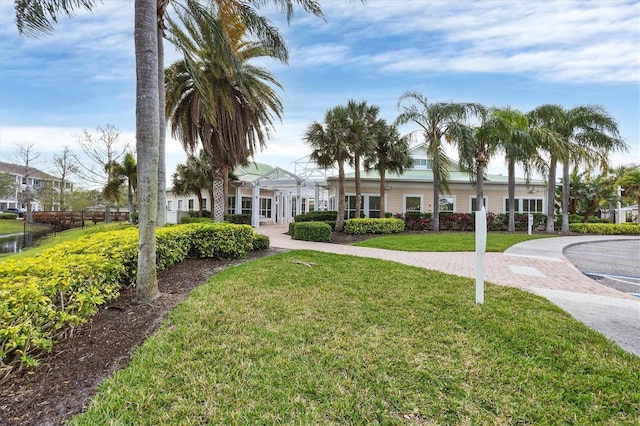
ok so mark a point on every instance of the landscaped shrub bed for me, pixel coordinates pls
(414, 221)
(605, 228)
(317, 216)
(8, 216)
(373, 226)
(43, 297)
(312, 231)
(240, 219)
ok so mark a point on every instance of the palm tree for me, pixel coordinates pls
(436, 121)
(586, 134)
(192, 177)
(630, 183)
(128, 170)
(233, 123)
(476, 145)
(330, 145)
(362, 119)
(35, 16)
(390, 154)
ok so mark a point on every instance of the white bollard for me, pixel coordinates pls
(530, 220)
(481, 246)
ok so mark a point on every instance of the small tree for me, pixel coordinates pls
(8, 185)
(65, 165)
(25, 156)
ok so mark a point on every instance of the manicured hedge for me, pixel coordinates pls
(43, 297)
(605, 228)
(373, 226)
(240, 219)
(312, 231)
(317, 216)
(8, 216)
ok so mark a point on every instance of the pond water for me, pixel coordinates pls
(19, 242)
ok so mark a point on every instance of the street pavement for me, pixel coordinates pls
(537, 266)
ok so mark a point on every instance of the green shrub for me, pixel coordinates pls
(605, 228)
(373, 226)
(317, 216)
(195, 219)
(260, 242)
(291, 226)
(8, 216)
(240, 219)
(312, 231)
(43, 297)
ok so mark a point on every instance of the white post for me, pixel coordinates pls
(530, 221)
(481, 245)
(255, 206)
(619, 212)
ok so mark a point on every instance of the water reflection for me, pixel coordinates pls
(20, 242)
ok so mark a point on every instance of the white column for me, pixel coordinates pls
(299, 200)
(238, 206)
(255, 206)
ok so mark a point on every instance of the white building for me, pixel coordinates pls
(34, 180)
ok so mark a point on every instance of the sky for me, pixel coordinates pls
(520, 54)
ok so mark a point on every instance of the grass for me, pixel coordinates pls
(11, 226)
(447, 241)
(314, 338)
(61, 237)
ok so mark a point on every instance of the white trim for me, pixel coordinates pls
(404, 201)
(523, 197)
(485, 198)
(455, 202)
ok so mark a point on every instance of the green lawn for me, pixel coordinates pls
(313, 338)
(11, 226)
(447, 241)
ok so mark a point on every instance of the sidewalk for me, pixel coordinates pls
(537, 266)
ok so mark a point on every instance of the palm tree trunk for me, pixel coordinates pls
(217, 202)
(358, 187)
(511, 190)
(162, 135)
(130, 199)
(340, 218)
(551, 196)
(147, 128)
(225, 172)
(480, 186)
(383, 185)
(565, 196)
(436, 202)
(200, 206)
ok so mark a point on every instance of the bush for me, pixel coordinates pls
(195, 219)
(414, 221)
(317, 216)
(240, 219)
(605, 228)
(43, 297)
(260, 242)
(312, 231)
(196, 213)
(373, 226)
(8, 216)
(291, 226)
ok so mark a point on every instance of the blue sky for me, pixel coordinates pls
(499, 53)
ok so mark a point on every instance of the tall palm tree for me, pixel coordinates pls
(586, 134)
(217, 99)
(476, 145)
(362, 119)
(390, 154)
(436, 121)
(329, 143)
(128, 171)
(510, 130)
(192, 177)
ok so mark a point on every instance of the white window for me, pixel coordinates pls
(413, 203)
(231, 204)
(373, 206)
(204, 204)
(246, 205)
(265, 208)
(447, 204)
(422, 164)
(525, 205)
(179, 205)
(190, 204)
(473, 206)
(169, 205)
(350, 206)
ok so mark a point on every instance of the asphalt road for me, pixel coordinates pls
(615, 264)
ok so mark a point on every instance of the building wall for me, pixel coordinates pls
(398, 193)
